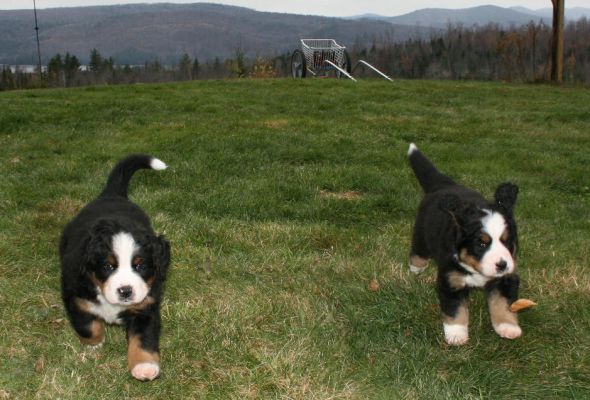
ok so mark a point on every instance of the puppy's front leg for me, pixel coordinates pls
(453, 304)
(500, 294)
(143, 355)
(89, 328)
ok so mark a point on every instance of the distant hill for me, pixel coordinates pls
(482, 15)
(136, 33)
(572, 14)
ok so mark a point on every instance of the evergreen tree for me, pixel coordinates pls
(96, 61)
(196, 69)
(184, 66)
(70, 66)
(217, 68)
(55, 68)
(239, 64)
(7, 81)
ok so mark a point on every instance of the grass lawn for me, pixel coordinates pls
(299, 194)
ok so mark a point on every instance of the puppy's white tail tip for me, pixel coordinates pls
(158, 164)
(412, 149)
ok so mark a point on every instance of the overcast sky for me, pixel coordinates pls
(337, 8)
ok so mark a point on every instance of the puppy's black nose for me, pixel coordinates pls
(501, 266)
(125, 292)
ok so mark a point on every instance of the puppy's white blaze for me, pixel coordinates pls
(456, 334)
(158, 164)
(494, 225)
(124, 247)
(412, 148)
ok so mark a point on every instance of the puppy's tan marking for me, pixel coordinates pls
(460, 318)
(456, 280)
(97, 282)
(455, 328)
(504, 321)
(504, 236)
(500, 310)
(149, 300)
(418, 261)
(468, 259)
(136, 354)
(97, 334)
(417, 264)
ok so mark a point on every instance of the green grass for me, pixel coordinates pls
(284, 311)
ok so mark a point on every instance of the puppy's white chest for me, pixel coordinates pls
(476, 280)
(105, 310)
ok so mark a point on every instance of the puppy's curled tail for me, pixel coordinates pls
(118, 182)
(428, 176)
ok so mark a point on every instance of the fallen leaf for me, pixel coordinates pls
(373, 285)
(522, 304)
(40, 365)
(55, 323)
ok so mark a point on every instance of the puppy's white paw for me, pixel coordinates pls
(456, 335)
(508, 331)
(416, 270)
(95, 347)
(146, 371)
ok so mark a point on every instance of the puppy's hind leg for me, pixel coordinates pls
(418, 263)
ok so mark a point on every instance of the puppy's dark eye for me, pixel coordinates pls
(484, 241)
(138, 264)
(108, 267)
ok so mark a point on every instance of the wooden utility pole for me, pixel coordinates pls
(557, 41)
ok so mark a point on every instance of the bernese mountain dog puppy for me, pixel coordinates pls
(473, 242)
(113, 268)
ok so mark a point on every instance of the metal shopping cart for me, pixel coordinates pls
(320, 57)
(324, 56)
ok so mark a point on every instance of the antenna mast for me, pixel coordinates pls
(38, 46)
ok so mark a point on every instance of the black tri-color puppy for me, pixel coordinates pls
(113, 268)
(473, 242)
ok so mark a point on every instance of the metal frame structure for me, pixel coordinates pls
(319, 56)
(323, 56)
(363, 62)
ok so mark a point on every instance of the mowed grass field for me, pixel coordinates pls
(282, 201)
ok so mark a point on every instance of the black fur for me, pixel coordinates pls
(85, 246)
(449, 223)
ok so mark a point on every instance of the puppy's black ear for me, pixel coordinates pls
(451, 203)
(505, 195)
(97, 243)
(161, 255)
(462, 212)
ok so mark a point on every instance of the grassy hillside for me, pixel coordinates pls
(299, 193)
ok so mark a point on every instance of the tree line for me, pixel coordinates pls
(517, 54)
(491, 52)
